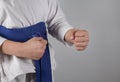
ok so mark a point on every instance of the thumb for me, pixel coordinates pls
(72, 37)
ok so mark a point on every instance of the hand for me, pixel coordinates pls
(34, 48)
(79, 38)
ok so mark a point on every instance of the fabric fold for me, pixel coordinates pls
(13, 66)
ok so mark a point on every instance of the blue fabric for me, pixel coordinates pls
(43, 66)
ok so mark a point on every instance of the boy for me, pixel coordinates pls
(19, 14)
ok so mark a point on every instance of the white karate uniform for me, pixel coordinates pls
(22, 13)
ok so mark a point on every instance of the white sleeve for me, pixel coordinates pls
(57, 23)
(1, 42)
(1, 21)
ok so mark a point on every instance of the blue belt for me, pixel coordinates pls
(43, 66)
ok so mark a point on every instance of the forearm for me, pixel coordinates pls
(31, 49)
(11, 48)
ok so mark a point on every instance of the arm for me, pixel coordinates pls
(57, 23)
(60, 29)
(31, 49)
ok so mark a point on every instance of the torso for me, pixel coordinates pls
(13, 13)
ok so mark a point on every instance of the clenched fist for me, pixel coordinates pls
(79, 38)
(34, 48)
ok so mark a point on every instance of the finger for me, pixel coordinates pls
(72, 35)
(79, 44)
(43, 44)
(81, 39)
(43, 41)
(43, 47)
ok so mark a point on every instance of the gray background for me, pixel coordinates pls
(100, 62)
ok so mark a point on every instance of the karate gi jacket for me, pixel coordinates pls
(22, 13)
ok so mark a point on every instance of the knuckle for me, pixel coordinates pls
(45, 41)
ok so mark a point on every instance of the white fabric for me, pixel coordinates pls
(22, 13)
